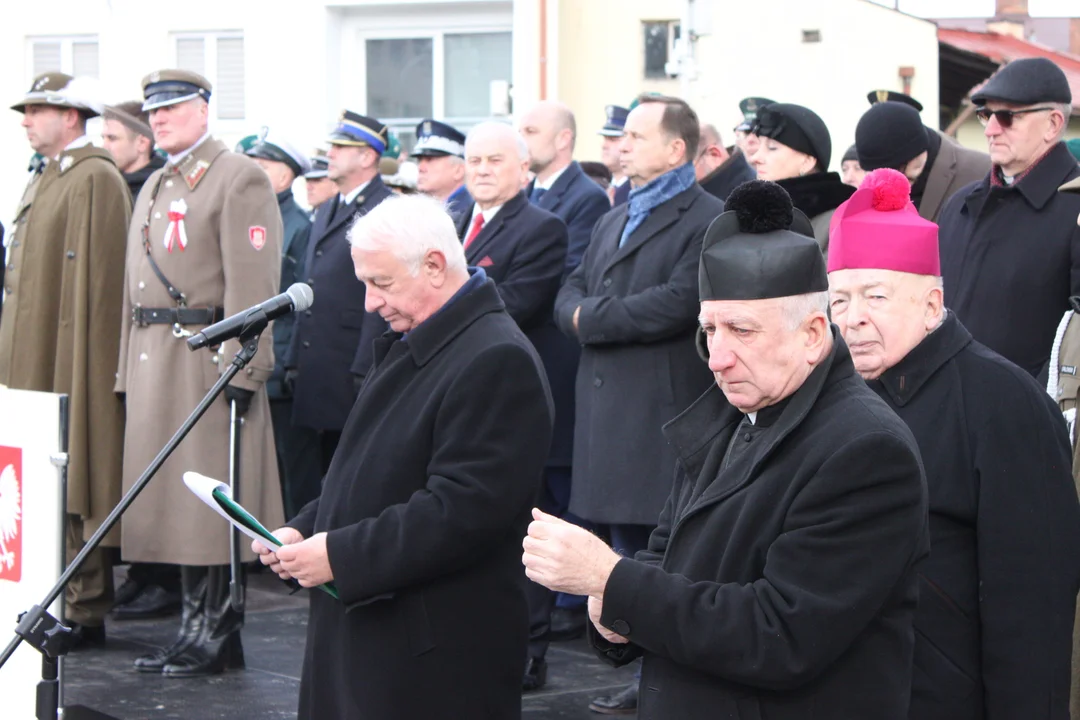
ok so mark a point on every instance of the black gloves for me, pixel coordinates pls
(241, 397)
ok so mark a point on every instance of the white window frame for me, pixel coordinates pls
(210, 38)
(66, 51)
(435, 28)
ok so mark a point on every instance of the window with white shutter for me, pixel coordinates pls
(74, 55)
(219, 57)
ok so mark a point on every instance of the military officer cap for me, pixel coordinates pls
(393, 146)
(880, 96)
(760, 247)
(615, 121)
(320, 165)
(749, 108)
(437, 139)
(169, 87)
(269, 146)
(1025, 82)
(245, 144)
(355, 130)
(61, 91)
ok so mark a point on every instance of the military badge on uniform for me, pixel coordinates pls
(175, 233)
(195, 174)
(66, 163)
(257, 236)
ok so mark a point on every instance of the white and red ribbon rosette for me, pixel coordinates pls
(175, 234)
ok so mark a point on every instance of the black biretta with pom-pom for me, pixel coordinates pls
(760, 247)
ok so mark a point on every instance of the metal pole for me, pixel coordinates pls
(236, 580)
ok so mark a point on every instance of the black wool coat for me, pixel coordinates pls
(1010, 257)
(424, 507)
(523, 249)
(733, 173)
(639, 367)
(993, 632)
(331, 342)
(781, 586)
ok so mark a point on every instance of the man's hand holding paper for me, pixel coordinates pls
(287, 536)
(305, 560)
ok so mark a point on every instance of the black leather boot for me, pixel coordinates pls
(218, 647)
(192, 619)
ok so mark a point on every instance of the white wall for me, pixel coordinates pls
(754, 49)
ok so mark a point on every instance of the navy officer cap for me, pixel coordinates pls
(880, 96)
(615, 124)
(353, 129)
(437, 139)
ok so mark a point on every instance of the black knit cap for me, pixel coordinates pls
(760, 247)
(1026, 82)
(797, 127)
(889, 135)
(852, 153)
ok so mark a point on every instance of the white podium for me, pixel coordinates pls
(33, 443)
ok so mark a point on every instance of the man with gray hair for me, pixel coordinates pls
(780, 581)
(718, 169)
(1010, 244)
(993, 630)
(421, 515)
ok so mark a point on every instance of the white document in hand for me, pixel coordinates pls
(204, 488)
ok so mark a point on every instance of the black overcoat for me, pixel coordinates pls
(1010, 257)
(523, 249)
(993, 632)
(424, 506)
(783, 586)
(331, 342)
(639, 367)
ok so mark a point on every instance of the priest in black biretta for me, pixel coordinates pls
(780, 581)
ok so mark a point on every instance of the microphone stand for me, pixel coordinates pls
(44, 632)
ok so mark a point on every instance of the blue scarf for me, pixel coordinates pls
(648, 197)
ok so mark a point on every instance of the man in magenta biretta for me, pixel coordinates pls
(993, 628)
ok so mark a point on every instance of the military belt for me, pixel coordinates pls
(143, 316)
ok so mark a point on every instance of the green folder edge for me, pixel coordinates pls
(242, 516)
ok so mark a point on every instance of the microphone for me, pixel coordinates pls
(255, 319)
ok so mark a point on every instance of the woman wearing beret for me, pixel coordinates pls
(794, 152)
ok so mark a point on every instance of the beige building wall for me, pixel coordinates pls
(752, 49)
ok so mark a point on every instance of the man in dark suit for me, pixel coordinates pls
(420, 520)
(298, 452)
(561, 186)
(720, 170)
(331, 347)
(781, 581)
(612, 132)
(632, 305)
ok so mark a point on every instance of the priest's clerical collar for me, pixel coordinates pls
(760, 247)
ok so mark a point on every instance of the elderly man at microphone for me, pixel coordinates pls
(780, 581)
(421, 514)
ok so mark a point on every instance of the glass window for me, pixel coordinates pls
(230, 78)
(472, 61)
(658, 38)
(47, 58)
(191, 54)
(400, 78)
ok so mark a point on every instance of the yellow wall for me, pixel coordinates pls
(753, 49)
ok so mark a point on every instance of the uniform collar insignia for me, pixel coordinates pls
(193, 175)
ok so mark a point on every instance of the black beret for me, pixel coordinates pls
(760, 247)
(797, 127)
(1025, 82)
(889, 135)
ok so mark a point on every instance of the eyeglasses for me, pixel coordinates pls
(1005, 117)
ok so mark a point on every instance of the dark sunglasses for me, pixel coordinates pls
(1005, 117)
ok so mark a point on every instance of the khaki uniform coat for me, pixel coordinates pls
(954, 167)
(1067, 392)
(61, 325)
(229, 201)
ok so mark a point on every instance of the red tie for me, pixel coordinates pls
(477, 226)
